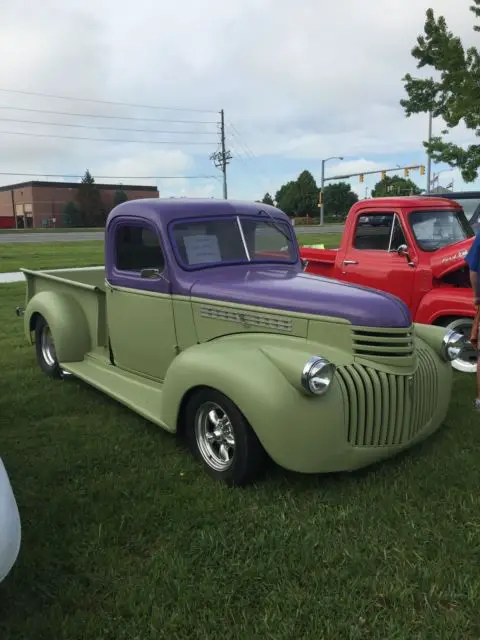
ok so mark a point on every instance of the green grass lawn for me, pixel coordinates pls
(126, 538)
(50, 256)
(51, 230)
(90, 252)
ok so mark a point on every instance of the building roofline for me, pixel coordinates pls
(75, 185)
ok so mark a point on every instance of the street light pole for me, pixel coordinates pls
(429, 157)
(322, 185)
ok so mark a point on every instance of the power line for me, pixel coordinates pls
(123, 104)
(47, 135)
(73, 175)
(94, 126)
(108, 117)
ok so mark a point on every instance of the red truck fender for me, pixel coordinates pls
(445, 303)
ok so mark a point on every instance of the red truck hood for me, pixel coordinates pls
(450, 258)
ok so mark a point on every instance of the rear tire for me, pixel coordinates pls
(463, 325)
(221, 438)
(45, 349)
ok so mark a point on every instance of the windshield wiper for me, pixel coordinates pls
(276, 224)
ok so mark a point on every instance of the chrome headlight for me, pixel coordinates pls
(317, 375)
(453, 344)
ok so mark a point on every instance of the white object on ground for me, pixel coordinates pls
(10, 527)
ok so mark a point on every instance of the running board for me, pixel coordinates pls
(139, 394)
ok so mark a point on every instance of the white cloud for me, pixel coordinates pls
(300, 81)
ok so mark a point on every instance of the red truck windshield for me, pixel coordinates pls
(436, 229)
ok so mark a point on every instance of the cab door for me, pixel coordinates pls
(372, 257)
(139, 303)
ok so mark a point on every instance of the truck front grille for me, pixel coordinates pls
(386, 409)
(383, 344)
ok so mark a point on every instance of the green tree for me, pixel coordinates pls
(72, 216)
(267, 199)
(395, 186)
(119, 197)
(338, 198)
(455, 96)
(299, 197)
(90, 202)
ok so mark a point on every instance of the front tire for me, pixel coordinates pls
(463, 325)
(221, 438)
(45, 349)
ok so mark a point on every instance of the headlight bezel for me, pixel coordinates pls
(453, 344)
(317, 368)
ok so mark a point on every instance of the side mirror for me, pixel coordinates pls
(403, 251)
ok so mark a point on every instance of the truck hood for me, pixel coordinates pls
(449, 258)
(289, 289)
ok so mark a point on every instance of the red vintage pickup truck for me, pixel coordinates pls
(413, 247)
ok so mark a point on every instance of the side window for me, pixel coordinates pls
(137, 248)
(373, 231)
(398, 237)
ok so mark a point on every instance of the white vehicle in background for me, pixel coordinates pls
(10, 528)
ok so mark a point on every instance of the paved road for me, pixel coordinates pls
(78, 236)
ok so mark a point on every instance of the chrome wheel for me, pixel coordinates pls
(214, 435)
(467, 362)
(47, 346)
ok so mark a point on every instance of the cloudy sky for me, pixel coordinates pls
(299, 81)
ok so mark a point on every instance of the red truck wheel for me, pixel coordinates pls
(463, 325)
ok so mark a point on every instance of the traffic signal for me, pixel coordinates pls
(384, 175)
(422, 169)
(361, 177)
(406, 173)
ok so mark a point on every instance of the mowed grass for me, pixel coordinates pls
(42, 255)
(126, 538)
(86, 253)
(50, 230)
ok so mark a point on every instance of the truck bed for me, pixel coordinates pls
(321, 262)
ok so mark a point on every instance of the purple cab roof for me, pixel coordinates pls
(164, 211)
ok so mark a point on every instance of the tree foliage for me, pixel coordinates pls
(119, 197)
(395, 186)
(455, 96)
(338, 198)
(90, 202)
(267, 199)
(72, 216)
(300, 197)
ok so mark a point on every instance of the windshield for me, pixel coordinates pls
(233, 240)
(436, 229)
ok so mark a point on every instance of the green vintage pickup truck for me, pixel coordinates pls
(203, 321)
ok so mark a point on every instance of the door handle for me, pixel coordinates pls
(350, 262)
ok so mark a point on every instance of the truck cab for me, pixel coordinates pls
(414, 248)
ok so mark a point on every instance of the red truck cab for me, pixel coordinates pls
(413, 247)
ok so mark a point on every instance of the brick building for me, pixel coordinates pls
(40, 204)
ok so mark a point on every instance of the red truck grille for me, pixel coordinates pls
(383, 344)
(386, 409)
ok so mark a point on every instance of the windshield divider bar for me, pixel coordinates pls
(243, 239)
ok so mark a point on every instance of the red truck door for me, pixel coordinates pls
(372, 259)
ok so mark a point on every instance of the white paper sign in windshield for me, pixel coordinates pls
(202, 249)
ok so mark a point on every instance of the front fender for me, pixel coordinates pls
(443, 302)
(293, 427)
(67, 322)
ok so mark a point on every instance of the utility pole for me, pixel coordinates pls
(429, 157)
(222, 158)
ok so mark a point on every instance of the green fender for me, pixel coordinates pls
(265, 384)
(67, 322)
